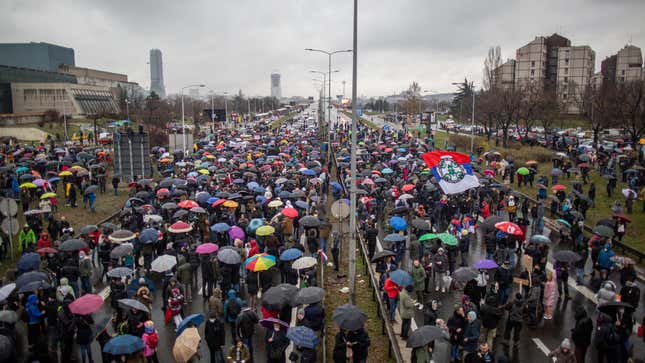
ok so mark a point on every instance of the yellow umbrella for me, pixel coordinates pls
(203, 171)
(230, 204)
(264, 231)
(48, 195)
(65, 173)
(28, 185)
(186, 345)
(77, 167)
(210, 156)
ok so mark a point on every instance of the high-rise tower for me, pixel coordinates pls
(156, 73)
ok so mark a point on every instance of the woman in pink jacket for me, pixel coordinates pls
(550, 295)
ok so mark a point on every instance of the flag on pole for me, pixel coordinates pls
(452, 171)
(323, 255)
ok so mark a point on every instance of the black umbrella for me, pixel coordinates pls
(606, 222)
(120, 272)
(464, 274)
(567, 256)
(29, 277)
(229, 256)
(309, 295)
(90, 228)
(121, 250)
(169, 205)
(380, 254)
(349, 317)
(277, 297)
(180, 214)
(73, 245)
(109, 226)
(399, 210)
(424, 335)
(489, 223)
(7, 348)
(310, 221)
(90, 189)
(610, 307)
(33, 286)
(133, 304)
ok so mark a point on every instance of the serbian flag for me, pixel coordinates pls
(452, 170)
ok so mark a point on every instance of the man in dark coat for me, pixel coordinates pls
(315, 316)
(607, 340)
(246, 322)
(581, 333)
(215, 334)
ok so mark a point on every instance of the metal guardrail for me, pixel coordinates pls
(394, 351)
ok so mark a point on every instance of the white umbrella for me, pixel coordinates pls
(150, 218)
(275, 203)
(303, 263)
(6, 290)
(163, 263)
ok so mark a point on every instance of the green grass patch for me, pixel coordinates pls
(277, 123)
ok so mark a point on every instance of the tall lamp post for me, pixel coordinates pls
(329, 54)
(472, 120)
(183, 121)
(352, 210)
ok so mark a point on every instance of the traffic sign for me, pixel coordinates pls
(339, 209)
(8, 207)
(10, 226)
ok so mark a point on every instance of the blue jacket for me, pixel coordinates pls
(604, 258)
(33, 311)
(232, 295)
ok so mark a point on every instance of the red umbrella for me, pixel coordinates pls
(187, 204)
(623, 217)
(86, 304)
(46, 250)
(558, 187)
(509, 228)
(180, 227)
(163, 192)
(290, 212)
(406, 188)
(218, 202)
(388, 150)
(583, 165)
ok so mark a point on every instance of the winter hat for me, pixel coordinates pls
(472, 315)
(64, 281)
(565, 344)
(149, 326)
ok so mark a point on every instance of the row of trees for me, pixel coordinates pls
(525, 105)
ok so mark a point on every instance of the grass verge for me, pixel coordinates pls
(277, 123)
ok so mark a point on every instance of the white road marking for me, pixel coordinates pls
(541, 346)
(585, 291)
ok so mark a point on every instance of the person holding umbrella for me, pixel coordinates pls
(276, 342)
(392, 291)
(245, 323)
(351, 344)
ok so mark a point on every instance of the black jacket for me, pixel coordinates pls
(246, 323)
(581, 332)
(315, 316)
(490, 316)
(214, 334)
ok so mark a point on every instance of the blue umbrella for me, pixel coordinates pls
(29, 262)
(284, 194)
(123, 344)
(194, 319)
(149, 235)
(302, 204)
(220, 227)
(308, 172)
(302, 336)
(387, 171)
(394, 237)
(168, 171)
(54, 179)
(202, 197)
(259, 189)
(254, 224)
(212, 200)
(290, 254)
(192, 174)
(134, 286)
(401, 278)
(261, 199)
(336, 185)
(252, 185)
(397, 223)
(238, 181)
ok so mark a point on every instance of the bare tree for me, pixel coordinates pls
(510, 110)
(492, 62)
(488, 109)
(413, 103)
(630, 108)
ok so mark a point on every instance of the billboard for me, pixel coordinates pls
(132, 155)
(219, 113)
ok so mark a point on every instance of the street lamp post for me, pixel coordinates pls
(127, 109)
(352, 214)
(329, 54)
(183, 121)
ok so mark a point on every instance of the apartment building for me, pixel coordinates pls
(624, 66)
(505, 75)
(575, 70)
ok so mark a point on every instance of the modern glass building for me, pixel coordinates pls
(40, 56)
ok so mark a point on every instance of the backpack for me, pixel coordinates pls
(534, 212)
(234, 307)
(153, 340)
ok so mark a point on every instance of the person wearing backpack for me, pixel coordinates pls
(232, 308)
(150, 341)
(214, 334)
(247, 319)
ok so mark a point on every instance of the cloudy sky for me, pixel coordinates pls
(231, 45)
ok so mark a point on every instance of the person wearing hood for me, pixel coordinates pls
(26, 239)
(516, 311)
(431, 313)
(315, 316)
(63, 290)
(150, 340)
(392, 291)
(504, 276)
(215, 336)
(35, 315)
(232, 308)
(607, 293)
(66, 328)
(604, 257)
(215, 303)
(581, 333)
(472, 332)
(85, 272)
(563, 353)
(44, 241)
(607, 340)
(246, 321)
(358, 341)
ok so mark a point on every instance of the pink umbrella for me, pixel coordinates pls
(236, 233)
(86, 304)
(206, 248)
(489, 172)
(368, 181)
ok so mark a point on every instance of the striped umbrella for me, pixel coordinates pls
(260, 262)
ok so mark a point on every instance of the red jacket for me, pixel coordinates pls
(391, 288)
(43, 242)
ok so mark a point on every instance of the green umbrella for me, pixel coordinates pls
(603, 231)
(448, 239)
(523, 171)
(427, 236)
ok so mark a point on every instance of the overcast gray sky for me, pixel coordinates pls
(231, 45)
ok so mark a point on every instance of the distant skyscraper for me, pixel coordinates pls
(276, 91)
(156, 73)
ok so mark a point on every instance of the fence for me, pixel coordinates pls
(394, 350)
